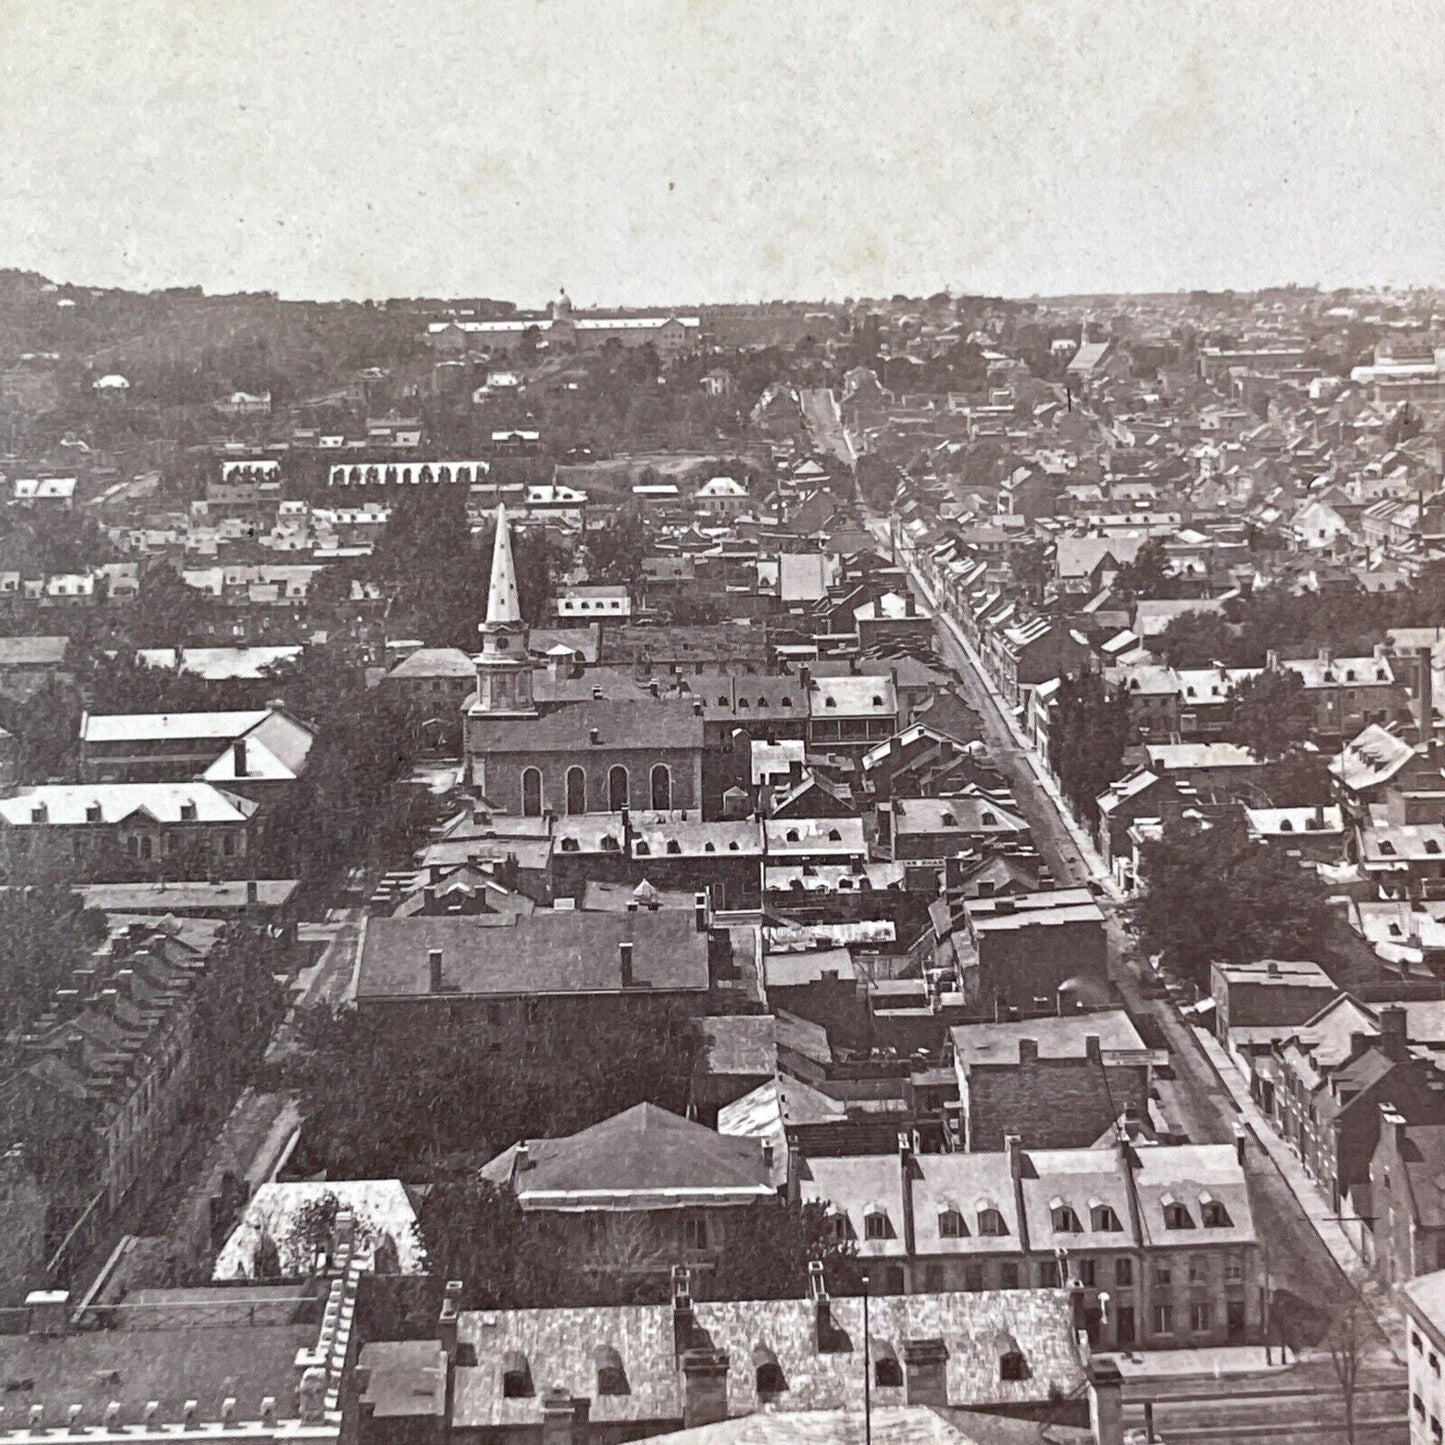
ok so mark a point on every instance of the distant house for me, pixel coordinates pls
(244, 403)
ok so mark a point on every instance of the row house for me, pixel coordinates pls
(1161, 1240)
(1329, 1078)
(116, 1049)
(97, 832)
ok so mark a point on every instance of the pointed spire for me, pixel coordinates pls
(503, 606)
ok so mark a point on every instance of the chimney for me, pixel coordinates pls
(429, 898)
(925, 1364)
(1241, 1143)
(253, 891)
(238, 752)
(704, 1387)
(824, 1332)
(594, 737)
(910, 607)
(699, 910)
(1014, 1147)
(449, 1318)
(1028, 1051)
(1427, 701)
(47, 1311)
(565, 1421)
(905, 1178)
(624, 958)
(434, 970)
(1092, 1051)
(1106, 1401)
(683, 1322)
(1271, 661)
(805, 676)
(1392, 1031)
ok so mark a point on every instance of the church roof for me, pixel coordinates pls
(503, 605)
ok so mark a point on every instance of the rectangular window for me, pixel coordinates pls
(1008, 1276)
(1087, 1272)
(1050, 1276)
(1233, 1270)
(1197, 1269)
(933, 1279)
(1163, 1275)
(694, 1231)
(1200, 1318)
(1163, 1319)
(973, 1277)
(1124, 1273)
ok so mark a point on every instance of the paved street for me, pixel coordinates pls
(821, 413)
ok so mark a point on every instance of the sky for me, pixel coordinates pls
(686, 151)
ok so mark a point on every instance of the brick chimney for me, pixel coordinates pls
(434, 970)
(624, 958)
(906, 1169)
(704, 1387)
(1392, 1032)
(238, 753)
(825, 1333)
(1014, 1147)
(684, 1322)
(565, 1421)
(448, 1319)
(925, 1377)
(700, 909)
(1106, 1401)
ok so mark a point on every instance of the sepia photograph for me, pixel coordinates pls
(718, 722)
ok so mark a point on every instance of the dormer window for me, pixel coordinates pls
(611, 1377)
(610, 844)
(991, 1223)
(876, 1224)
(1103, 1219)
(768, 1374)
(949, 821)
(951, 1224)
(643, 850)
(1176, 1216)
(792, 836)
(834, 836)
(887, 1370)
(709, 847)
(831, 702)
(1062, 1218)
(516, 1376)
(1213, 1214)
(733, 846)
(877, 701)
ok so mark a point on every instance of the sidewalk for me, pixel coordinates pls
(1326, 1224)
(1081, 840)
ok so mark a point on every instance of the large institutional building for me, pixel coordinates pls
(561, 329)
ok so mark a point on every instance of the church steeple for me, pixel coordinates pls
(504, 670)
(503, 606)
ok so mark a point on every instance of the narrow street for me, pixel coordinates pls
(1299, 1265)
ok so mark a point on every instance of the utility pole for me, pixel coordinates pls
(867, 1372)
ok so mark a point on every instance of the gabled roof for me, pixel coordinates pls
(643, 1158)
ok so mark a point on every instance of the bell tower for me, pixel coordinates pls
(504, 670)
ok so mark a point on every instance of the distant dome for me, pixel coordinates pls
(562, 307)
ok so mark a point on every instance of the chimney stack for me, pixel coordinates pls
(238, 752)
(925, 1364)
(253, 891)
(1106, 1401)
(624, 957)
(449, 1318)
(699, 910)
(434, 970)
(705, 1387)
(1427, 700)
(1014, 1147)
(683, 1321)
(824, 1332)
(1241, 1142)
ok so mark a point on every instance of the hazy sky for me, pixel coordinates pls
(693, 150)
